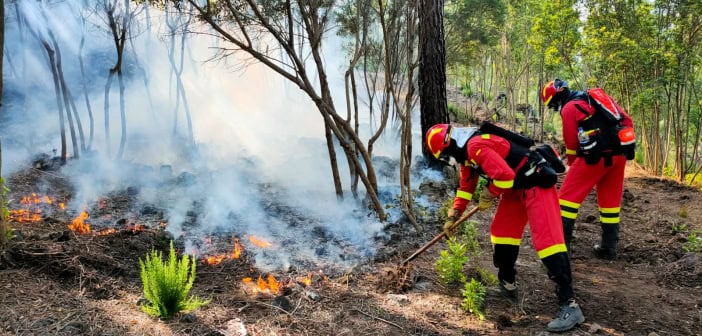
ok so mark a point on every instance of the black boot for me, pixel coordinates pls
(607, 248)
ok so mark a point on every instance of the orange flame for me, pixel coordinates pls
(25, 216)
(307, 281)
(269, 286)
(134, 228)
(236, 252)
(106, 232)
(79, 225)
(214, 260)
(259, 242)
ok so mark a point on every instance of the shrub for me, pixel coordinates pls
(450, 263)
(694, 242)
(167, 284)
(5, 230)
(474, 297)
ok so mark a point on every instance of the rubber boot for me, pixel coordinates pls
(607, 248)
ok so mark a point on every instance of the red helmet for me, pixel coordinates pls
(438, 138)
(551, 89)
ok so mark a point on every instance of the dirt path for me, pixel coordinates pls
(62, 283)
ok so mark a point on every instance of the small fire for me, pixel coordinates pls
(218, 259)
(134, 228)
(79, 225)
(259, 242)
(25, 216)
(269, 286)
(214, 260)
(107, 231)
(236, 252)
(33, 206)
(307, 281)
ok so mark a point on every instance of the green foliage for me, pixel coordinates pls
(694, 242)
(168, 283)
(469, 236)
(474, 298)
(482, 182)
(5, 230)
(486, 276)
(678, 228)
(450, 263)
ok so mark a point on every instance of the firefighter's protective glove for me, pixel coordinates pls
(452, 216)
(486, 199)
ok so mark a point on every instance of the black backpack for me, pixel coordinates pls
(534, 165)
(602, 134)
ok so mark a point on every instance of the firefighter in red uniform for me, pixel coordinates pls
(522, 200)
(602, 167)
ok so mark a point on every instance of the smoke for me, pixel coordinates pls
(260, 168)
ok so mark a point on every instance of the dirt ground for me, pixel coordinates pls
(57, 282)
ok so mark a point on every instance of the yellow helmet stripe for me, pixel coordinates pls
(431, 135)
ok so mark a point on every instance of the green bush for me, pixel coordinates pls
(5, 230)
(474, 297)
(694, 242)
(450, 263)
(167, 284)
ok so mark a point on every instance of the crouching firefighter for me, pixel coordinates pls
(599, 138)
(525, 184)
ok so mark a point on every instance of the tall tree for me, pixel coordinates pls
(432, 69)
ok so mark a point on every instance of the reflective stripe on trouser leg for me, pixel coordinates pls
(609, 217)
(504, 257)
(569, 212)
(558, 266)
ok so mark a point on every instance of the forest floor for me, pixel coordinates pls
(55, 281)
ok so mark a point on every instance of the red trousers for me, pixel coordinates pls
(582, 177)
(537, 206)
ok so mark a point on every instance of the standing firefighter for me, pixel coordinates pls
(599, 139)
(526, 184)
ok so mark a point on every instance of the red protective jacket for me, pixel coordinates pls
(488, 152)
(571, 116)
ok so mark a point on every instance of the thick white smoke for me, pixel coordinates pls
(261, 152)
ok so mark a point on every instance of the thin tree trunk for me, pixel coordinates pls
(108, 85)
(85, 87)
(57, 92)
(123, 116)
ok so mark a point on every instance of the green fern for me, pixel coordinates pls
(5, 229)
(474, 298)
(167, 284)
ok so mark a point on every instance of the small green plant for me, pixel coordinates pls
(678, 228)
(168, 283)
(486, 276)
(450, 263)
(469, 236)
(474, 297)
(694, 242)
(5, 230)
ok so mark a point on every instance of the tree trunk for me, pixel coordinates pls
(432, 70)
(85, 88)
(57, 92)
(3, 220)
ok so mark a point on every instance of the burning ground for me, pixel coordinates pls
(72, 268)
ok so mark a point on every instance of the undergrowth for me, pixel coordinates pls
(168, 283)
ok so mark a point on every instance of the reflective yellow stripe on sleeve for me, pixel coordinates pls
(503, 184)
(571, 151)
(464, 195)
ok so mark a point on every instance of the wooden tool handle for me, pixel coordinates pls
(439, 236)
